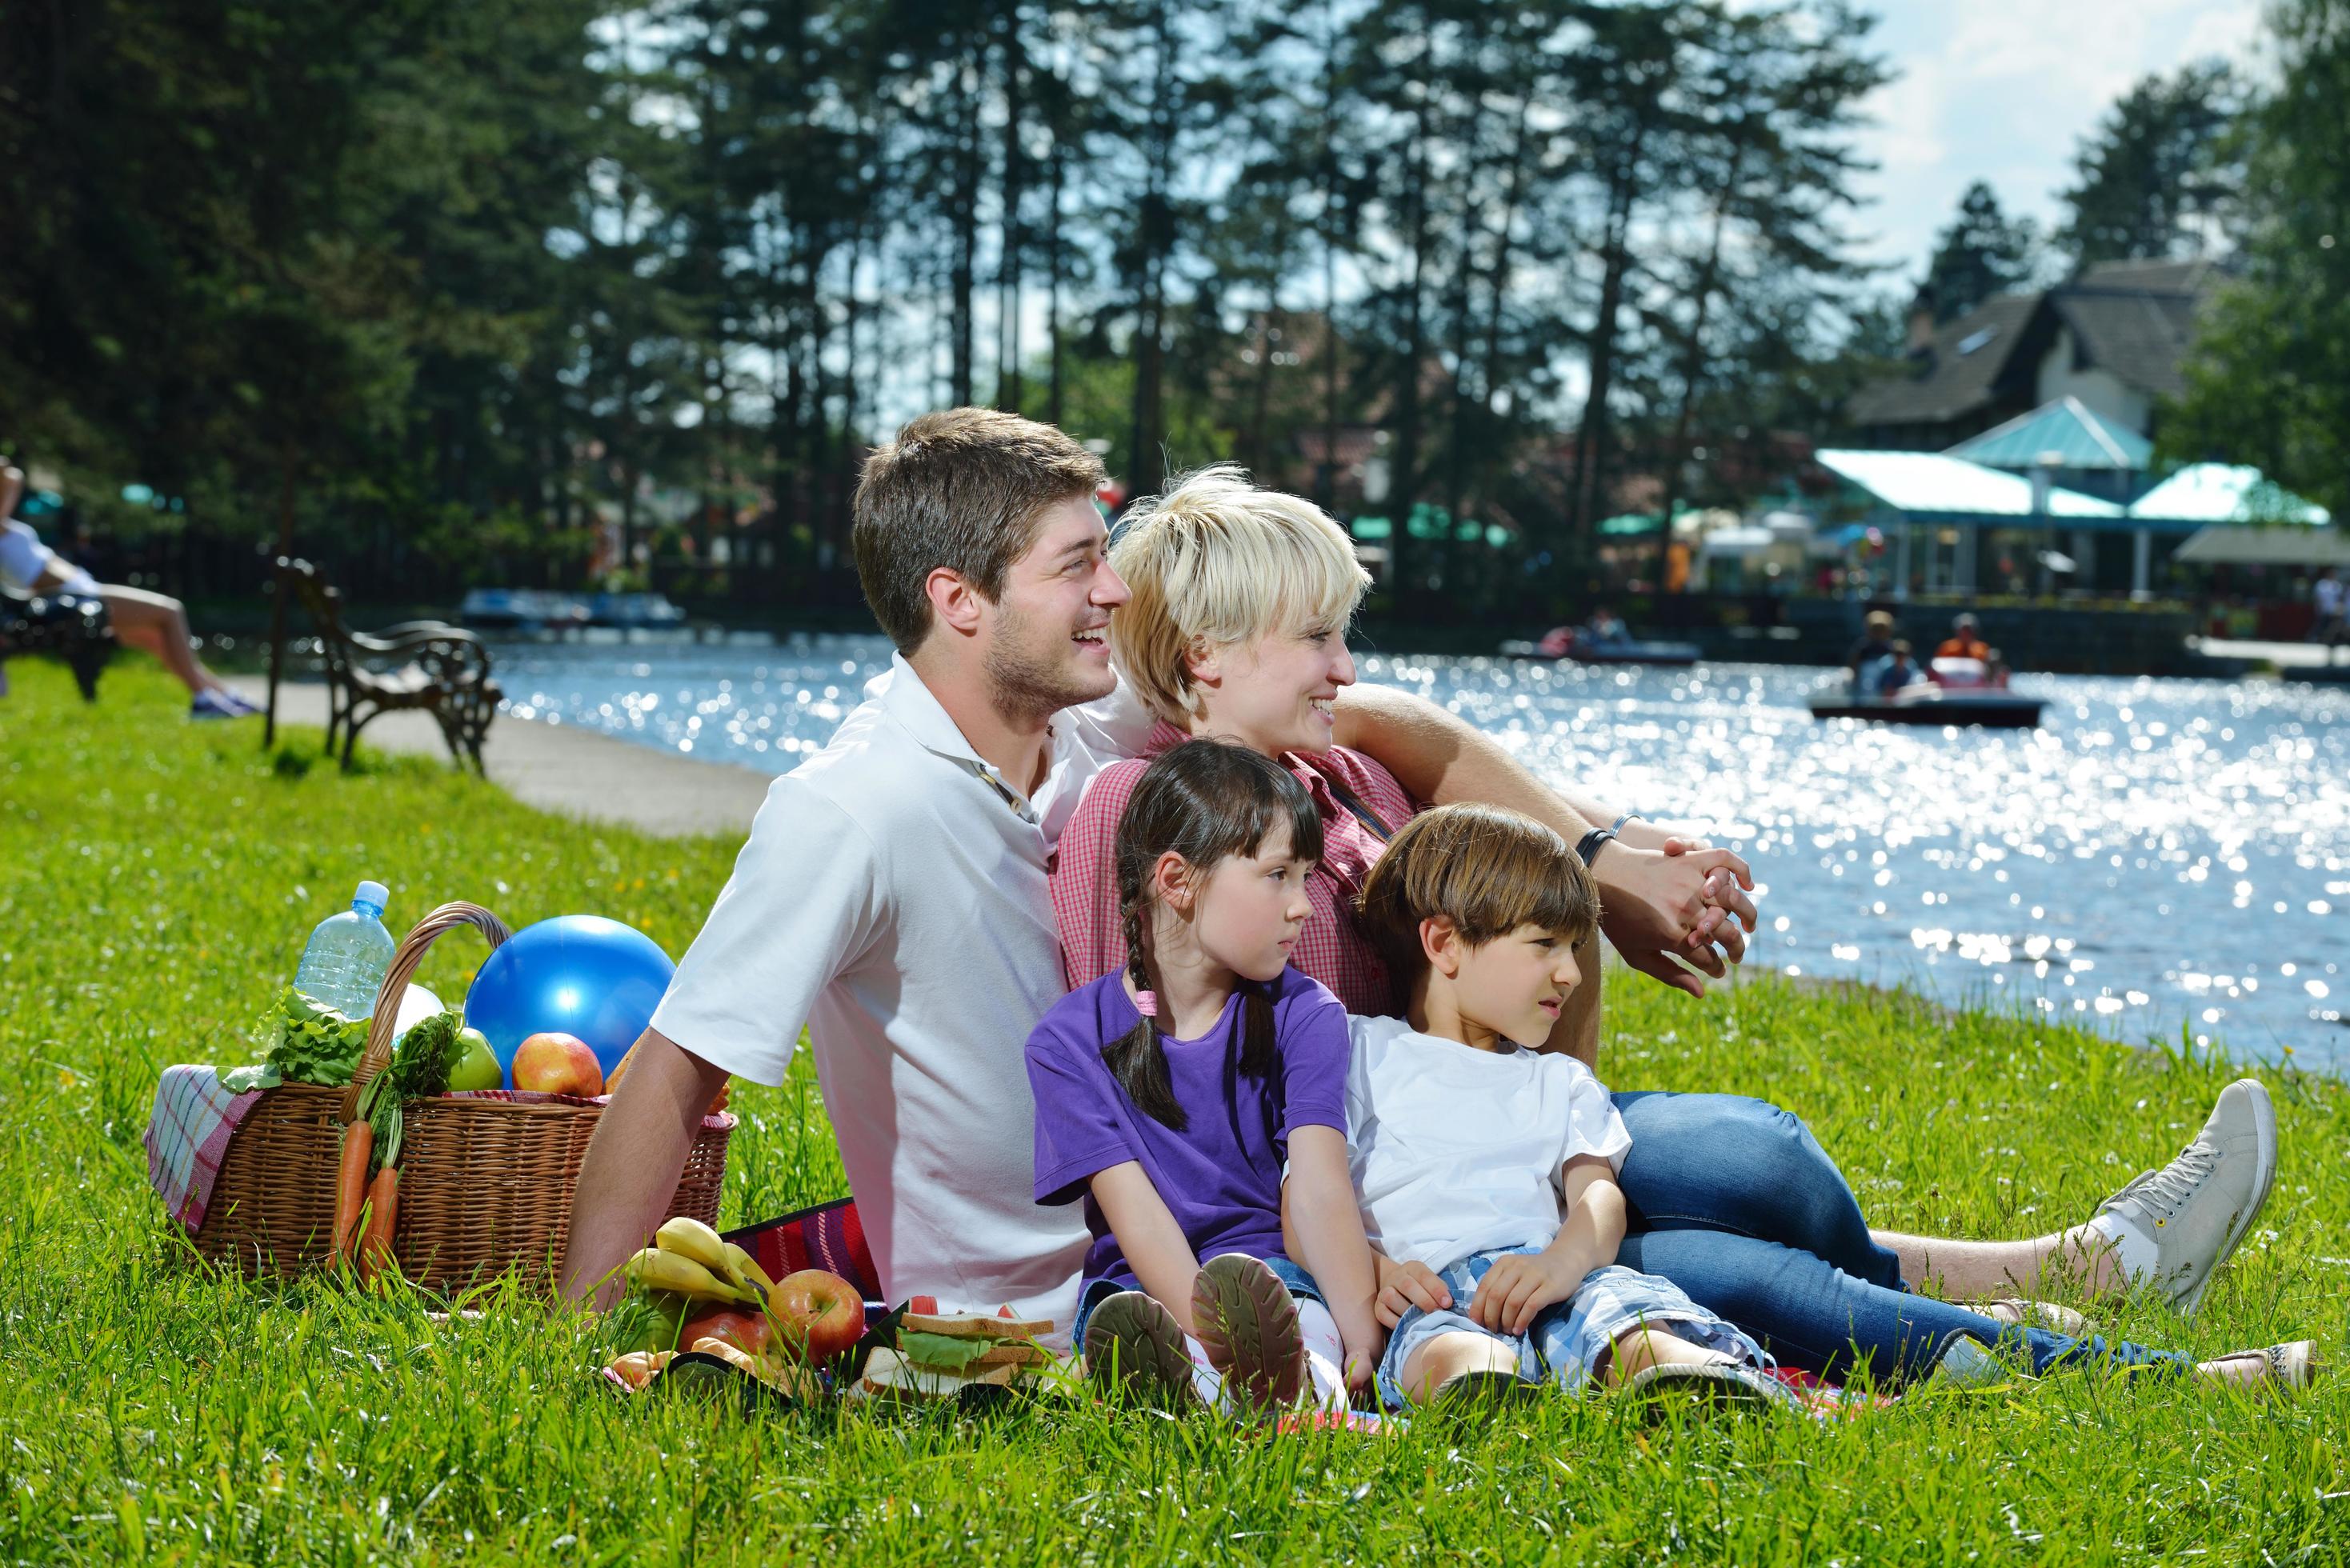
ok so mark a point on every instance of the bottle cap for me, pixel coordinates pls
(371, 895)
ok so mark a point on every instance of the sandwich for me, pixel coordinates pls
(938, 1355)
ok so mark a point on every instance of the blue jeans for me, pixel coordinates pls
(1733, 1200)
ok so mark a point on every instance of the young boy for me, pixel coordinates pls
(1494, 1166)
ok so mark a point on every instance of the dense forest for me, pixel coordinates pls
(527, 290)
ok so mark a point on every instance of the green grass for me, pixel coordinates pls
(156, 884)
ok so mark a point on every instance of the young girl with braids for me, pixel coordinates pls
(1176, 1095)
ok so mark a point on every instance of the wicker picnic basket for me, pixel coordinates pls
(485, 1183)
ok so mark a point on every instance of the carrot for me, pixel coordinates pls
(383, 1212)
(351, 1185)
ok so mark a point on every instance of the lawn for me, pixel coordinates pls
(156, 884)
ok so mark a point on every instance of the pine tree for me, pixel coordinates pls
(2269, 380)
(1983, 253)
(2157, 177)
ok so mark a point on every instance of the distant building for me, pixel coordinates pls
(2111, 339)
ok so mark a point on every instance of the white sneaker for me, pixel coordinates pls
(2196, 1210)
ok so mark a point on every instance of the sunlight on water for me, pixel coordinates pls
(2158, 851)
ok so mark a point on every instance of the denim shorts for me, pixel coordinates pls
(1093, 1292)
(1565, 1341)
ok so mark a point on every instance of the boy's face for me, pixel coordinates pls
(1248, 913)
(1515, 986)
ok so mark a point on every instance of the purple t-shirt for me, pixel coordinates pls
(1221, 1176)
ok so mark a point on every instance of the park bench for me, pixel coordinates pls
(424, 666)
(69, 627)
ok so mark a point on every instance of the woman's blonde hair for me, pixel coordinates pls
(1217, 562)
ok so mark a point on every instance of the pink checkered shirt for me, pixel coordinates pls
(1331, 950)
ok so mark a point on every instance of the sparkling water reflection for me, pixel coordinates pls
(2159, 852)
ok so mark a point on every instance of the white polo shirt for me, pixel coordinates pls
(892, 896)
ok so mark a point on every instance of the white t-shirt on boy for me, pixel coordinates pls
(1456, 1150)
(892, 896)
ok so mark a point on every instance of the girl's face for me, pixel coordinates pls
(1275, 694)
(1515, 986)
(1246, 911)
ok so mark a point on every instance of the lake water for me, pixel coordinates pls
(2159, 853)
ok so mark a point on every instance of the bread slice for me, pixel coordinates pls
(975, 1324)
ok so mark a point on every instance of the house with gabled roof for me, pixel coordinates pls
(2113, 339)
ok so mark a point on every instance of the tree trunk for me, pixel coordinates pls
(1693, 362)
(1591, 437)
(963, 274)
(1149, 455)
(1008, 388)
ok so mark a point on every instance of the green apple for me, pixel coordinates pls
(478, 1067)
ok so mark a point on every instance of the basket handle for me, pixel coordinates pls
(404, 963)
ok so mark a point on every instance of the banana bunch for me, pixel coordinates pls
(690, 1260)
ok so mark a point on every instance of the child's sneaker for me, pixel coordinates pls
(1486, 1391)
(1134, 1346)
(1713, 1383)
(1248, 1325)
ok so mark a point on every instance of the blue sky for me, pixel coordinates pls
(2002, 89)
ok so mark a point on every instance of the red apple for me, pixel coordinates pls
(818, 1315)
(554, 1063)
(746, 1331)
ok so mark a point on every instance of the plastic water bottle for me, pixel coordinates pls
(349, 955)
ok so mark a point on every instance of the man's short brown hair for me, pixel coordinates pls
(1485, 868)
(962, 488)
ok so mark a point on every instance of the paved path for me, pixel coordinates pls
(563, 769)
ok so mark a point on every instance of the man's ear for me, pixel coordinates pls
(1441, 945)
(954, 603)
(1172, 879)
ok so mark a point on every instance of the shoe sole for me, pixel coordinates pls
(1134, 1349)
(2264, 1133)
(1248, 1325)
(1711, 1384)
(1485, 1391)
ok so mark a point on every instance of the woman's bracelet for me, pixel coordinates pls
(1618, 826)
(1587, 848)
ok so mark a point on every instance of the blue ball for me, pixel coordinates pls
(581, 974)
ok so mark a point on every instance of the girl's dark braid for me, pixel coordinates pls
(1137, 954)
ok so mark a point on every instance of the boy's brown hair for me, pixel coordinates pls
(1485, 868)
(962, 488)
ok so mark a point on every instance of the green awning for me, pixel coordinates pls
(2225, 493)
(1626, 523)
(2065, 434)
(1431, 523)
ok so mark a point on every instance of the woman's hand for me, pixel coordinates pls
(1674, 903)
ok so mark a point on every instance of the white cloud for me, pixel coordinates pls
(2003, 90)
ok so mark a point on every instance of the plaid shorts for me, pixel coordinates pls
(1566, 1339)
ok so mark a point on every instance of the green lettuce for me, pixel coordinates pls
(310, 1043)
(941, 1351)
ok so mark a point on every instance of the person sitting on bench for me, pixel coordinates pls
(153, 623)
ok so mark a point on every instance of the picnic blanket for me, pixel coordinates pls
(830, 1236)
(187, 1137)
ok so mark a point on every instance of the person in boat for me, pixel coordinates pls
(1896, 669)
(1965, 641)
(1606, 628)
(1876, 643)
